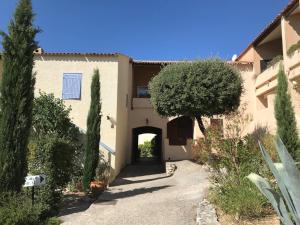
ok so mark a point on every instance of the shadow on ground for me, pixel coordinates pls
(142, 169)
(108, 196)
(73, 203)
(122, 181)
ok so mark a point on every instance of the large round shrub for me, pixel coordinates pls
(196, 89)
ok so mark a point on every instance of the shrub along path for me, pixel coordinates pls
(144, 195)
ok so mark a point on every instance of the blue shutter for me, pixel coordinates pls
(71, 86)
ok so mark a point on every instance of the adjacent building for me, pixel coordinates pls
(267, 53)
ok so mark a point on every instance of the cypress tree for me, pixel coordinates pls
(285, 116)
(17, 92)
(93, 133)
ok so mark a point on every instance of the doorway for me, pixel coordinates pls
(146, 145)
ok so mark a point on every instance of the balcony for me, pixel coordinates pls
(266, 81)
(293, 64)
(141, 103)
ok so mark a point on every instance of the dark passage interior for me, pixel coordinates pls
(146, 145)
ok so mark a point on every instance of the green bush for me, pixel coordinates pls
(274, 61)
(52, 117)
(52, 221)
(233, 194)
(198, 89)
(53, 157)
(103, 170)
(293, 48)
(16, 209)
(146, 149)
(237, 156)
(52, 151)
(237, 196)
(201, 151)
(203, 147)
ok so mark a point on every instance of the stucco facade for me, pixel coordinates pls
(49, 69)
(122, 110)
(261, 83)
(127, 113)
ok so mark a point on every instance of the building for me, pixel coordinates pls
(126, 108)
(267, 53)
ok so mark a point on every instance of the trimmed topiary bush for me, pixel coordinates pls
(197, 89)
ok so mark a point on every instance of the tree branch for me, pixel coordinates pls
(201, 125)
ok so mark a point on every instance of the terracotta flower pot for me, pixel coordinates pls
(97, 186)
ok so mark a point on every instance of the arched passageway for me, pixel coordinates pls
(154, 151)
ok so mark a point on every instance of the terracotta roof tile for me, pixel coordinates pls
(77, 54)
(153, 62)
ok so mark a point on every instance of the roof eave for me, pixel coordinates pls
(290, 7)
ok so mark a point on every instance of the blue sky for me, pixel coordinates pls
(149, 29)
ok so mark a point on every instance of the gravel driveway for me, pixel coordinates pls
(144, 195)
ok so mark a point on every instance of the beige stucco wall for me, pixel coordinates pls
(292, 29)
(180, 152)
(49, 78)
(248, 56)
(123, 107)
(248, 96)
(141, 111)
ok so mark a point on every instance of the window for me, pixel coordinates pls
(179, 130)
(71, 86)
(143, 92)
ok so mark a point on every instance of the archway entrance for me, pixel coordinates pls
(146, 144)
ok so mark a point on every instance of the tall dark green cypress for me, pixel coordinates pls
(17, 92)
(93, 133)
(285, 116)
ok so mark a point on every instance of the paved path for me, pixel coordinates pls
(144, 195)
